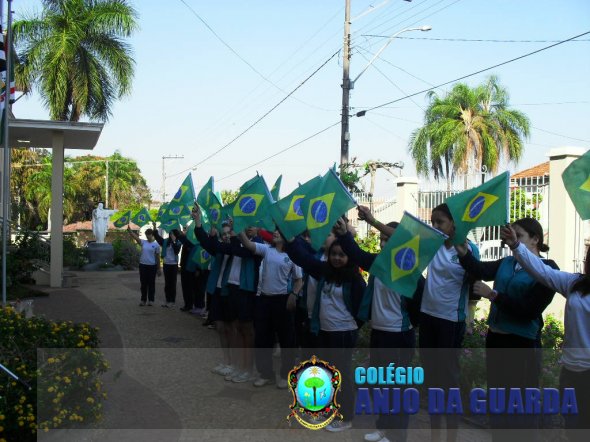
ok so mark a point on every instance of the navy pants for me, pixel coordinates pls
(272, 318)
(188, 282)
(147, 280)
(170, 276)
(396, 347)
(440, 341)
(336, 348)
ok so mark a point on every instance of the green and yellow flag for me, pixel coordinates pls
(252, 205)
(170, 224)
(190, 233)
(576, 179)
(288, 214)
(276, 188)
(142, 217)
(123, 220)
(199, 258)
(210, 204)
(327, 201)
(185, 195)
(162, 212)
(485, 205)
(407, 253)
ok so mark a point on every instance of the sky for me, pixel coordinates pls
(229, 84)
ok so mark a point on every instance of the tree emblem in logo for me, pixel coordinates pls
(314, 384)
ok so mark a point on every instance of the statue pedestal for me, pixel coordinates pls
(100, 254)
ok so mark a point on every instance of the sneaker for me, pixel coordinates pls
(261, 382)
(282, 384)
(376, 436)
(218, 368)
(142, 303)
(170, 305)
(231, 374)
(337, 425)
(165, 305)
(150, 303)
(241, 377)
(211, 326)
(196, 311)
(225, 371)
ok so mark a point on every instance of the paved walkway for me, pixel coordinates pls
(159, 385)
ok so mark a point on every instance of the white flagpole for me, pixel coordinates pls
(6, 143)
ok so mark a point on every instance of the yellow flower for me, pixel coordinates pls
(1, 429)
(86, 337)
(50, 360)
(67, 380)
(90, 400)
(50, 389)
(1, 417)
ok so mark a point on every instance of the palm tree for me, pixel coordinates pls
(468, 126)
(74, 53)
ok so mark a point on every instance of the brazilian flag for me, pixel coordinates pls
(190, 233)
(407, 253)
(576, 179)
(327, 201)
(142, 217)
(252, 205)
(210, 204)
(276, 188)
(485, 205)
(177, 211)
(170, 224)
(162, 212)
(199, 258)
(185, 195)
(288, 212)
(123, 220)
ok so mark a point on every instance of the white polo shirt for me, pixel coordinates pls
(277, 270)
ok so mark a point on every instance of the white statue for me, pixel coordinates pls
(100, 222)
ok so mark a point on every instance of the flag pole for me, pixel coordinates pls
(6, 143)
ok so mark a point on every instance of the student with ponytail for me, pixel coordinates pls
(575, 359)
(515, 319)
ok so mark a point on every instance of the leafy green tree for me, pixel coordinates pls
(229, 196)
(468, 125)
(523, 205)
(314, 383)
(74, 52)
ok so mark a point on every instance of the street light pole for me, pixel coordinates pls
(164, 158)
(348, 84)
(344, 133)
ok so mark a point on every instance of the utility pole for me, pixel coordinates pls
(345, 134)
(107, 186)
(164, 158)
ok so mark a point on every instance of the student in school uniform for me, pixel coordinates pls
(170, 249)
(149, 265)
(575, 359)
(442, 318)
(274, 308)
(334, 318)
(514, 322)
(393, 318)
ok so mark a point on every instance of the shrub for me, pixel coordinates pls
(74, 256)
(126, 254)
(65, 383)
(26, 249)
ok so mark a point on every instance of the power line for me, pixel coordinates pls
(468, 39)
(233, 51)
(561, 135)
(259, 119)
(475, 73)
(281, 151)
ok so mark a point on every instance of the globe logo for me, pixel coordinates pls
(405, 259)
(178, 194)
(176, 210)
(123, 219)
(476, 206)
(297, 206)
(214, 214)
(205, 255)
(247, 205)
(314, 388)
(319, 211)
(141, 217)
